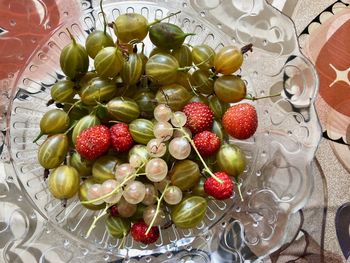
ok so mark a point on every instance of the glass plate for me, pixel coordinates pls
(278, 179)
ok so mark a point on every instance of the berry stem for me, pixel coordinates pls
(46, 174)
(189, 34)
(99, 104)
(104, 18)
(159, 201)
(38, 137)
(64, 202)
(111, 24)
(80, 106)
(213, 76)
(206, 168)
(247, 48)
(114, 191)
(156, 21)
(71, 36)
(250, 97)
(95, 108)
(71, 127)
(134, 49)
(204, 61)
(50, 101)
(192, 88)
(122, 243)
(143, 48)
(96, 218)
(134, 41)
(239, 185)
(115, 122)
(75, 104)
(185, 69)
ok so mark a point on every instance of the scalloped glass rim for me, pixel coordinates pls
(288, 135)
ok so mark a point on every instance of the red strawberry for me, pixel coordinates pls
(93, 142)
(240, 121)
(121, 138)
(199, 117)
(207, 143)
(220, 191)
(138, 232)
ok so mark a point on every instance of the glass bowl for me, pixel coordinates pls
(278, 179)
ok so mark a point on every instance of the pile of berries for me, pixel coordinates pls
(132, 135)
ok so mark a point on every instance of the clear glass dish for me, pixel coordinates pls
(278, 179)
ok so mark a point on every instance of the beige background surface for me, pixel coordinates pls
(337, 176)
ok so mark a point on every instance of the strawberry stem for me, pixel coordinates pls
(206, 168)
(239, 185)
(252, 98)
(159, 201)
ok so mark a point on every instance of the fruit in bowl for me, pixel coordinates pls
(132, 137)
(147, 146)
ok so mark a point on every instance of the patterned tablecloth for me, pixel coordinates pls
(324, 33)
